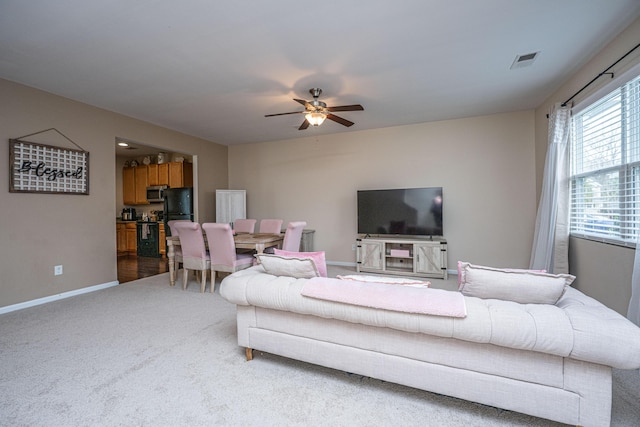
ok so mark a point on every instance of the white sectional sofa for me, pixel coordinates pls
(550, 361)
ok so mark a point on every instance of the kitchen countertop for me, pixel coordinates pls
(119, 220)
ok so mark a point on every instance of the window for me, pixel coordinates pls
(605, 167)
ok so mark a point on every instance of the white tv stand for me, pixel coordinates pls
(402, 255)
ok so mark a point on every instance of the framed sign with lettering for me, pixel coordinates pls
(38, 168)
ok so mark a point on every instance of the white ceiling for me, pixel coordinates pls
(213, 69)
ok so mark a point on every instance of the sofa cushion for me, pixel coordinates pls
(317, 257)
(276, 265)
(522, 286)
(577, 327)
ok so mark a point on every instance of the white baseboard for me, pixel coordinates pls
(57, 297)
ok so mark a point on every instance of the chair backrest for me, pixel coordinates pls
(271, 226)
(172, 228)
(222, 248)
(293, 235)
(191, 240)
(244, 225)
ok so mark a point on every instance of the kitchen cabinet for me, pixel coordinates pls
(127, 238)
(142, 182)
(153, 175)
(180, 174)
(121, 238)
(163, 174)
(162, 239)
(132, 237)
(129, 186)
(135, 181)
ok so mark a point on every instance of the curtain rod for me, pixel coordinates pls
(564, 104)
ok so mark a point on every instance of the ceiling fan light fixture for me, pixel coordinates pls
(315, 118)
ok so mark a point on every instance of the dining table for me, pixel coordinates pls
(256, 241)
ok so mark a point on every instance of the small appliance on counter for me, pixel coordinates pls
(128, 214)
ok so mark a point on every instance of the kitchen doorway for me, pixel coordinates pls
(130, 265)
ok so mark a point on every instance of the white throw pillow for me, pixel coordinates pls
(521, 286)
(300, 268)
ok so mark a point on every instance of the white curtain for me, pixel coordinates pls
(550, 249)
(633, 313)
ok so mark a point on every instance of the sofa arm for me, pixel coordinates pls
(600, 334)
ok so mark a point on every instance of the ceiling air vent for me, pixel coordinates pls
(525, 60)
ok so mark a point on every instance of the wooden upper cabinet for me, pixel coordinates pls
(135, 180)
(153, 174)
(163, 174)
(129, 186)
(180, 174)
(142, 182)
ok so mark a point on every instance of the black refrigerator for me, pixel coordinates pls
(178, 204)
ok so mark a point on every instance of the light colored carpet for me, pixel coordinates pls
(146, 354)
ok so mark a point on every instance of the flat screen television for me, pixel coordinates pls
(408, 211)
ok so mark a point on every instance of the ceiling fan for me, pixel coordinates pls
(316, 111)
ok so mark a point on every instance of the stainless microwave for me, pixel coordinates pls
(155, 194)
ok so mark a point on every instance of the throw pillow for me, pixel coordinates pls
(521, 286)
(300, 268)
(317, 257)
(389, 280)
(461, 272)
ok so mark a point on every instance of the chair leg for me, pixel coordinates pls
(213, 280)
(203, 281)
(185, 277)
(175, 271)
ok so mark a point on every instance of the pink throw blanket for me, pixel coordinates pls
(407, 299)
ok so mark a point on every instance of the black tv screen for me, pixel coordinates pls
(409, 211)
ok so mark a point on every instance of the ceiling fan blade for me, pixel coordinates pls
(284, 114)
(340, 120)
(304, 125)
(355, 107)
(305, 103)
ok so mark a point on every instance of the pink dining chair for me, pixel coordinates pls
(244, 225)
(293, 235)
(194, 252)
(177, 250)
(222, 250)
(271, 226)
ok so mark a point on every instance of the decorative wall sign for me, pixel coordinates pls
(39, 168)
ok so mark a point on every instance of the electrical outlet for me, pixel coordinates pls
(353, 247)
(57, 270)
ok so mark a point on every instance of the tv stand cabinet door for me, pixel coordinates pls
(370, 255)
(430, 259)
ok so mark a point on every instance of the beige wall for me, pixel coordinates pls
(490, 167)
(484, 164)
(40, 231)
(603, 271)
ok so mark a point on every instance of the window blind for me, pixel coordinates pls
(605, 167)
